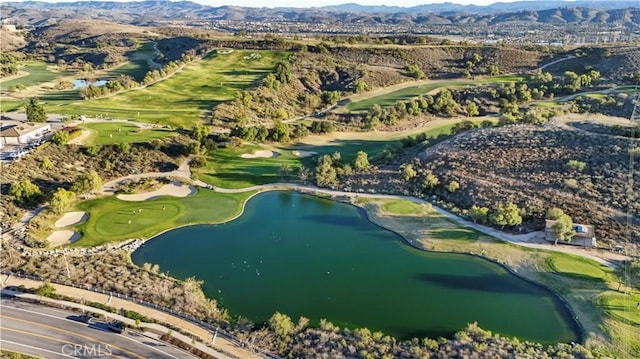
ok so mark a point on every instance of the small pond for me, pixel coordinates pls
(81, 83)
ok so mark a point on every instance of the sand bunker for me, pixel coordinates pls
(71, 218)
(261, 154)
(304, 153)
(59, 238)
(175, 189)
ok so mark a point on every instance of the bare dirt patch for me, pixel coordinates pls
(71, 218)
(80, 139)
(59, 238)
(261, 154)
(175, 189)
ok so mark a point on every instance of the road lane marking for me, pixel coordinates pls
(71, 321)
(36, 348)
(69, 332)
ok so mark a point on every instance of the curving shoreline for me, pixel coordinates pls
(561, 313)
(569, 313)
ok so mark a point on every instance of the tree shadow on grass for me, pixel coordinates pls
(580, 276)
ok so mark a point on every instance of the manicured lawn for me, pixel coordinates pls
(121, 132)
(138, 64)
(181, 99)
(621, 306)
(399, 206)
(109, 217)
(575, 267)
(212, 207)
(11, 105)
(225, 168)
(39, 72)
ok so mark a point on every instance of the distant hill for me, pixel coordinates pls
(493, 8)
(617, 12)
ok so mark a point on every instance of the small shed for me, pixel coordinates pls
(585, 234)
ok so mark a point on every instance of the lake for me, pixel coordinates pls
(305, 256)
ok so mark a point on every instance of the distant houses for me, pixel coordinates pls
(585, 234)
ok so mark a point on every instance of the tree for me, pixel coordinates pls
(303, 174)
(87, 183)
(283, 72)
(35, 111)
(478, 213)
(562, 228)
(61, 200)
(46, 163)
(360, 86)
(60, 137)
(199, 132)
(326, 174)
(494, 70)
(430, 181)
(271, 82)
(444, 102)
(576, 165)
(330, 97)
(281, 132)
(554, 213)
(506, 215)
(281, 324)
(416, 72)
(472, 109)
(361, 162)
(453, 186)
(25, 192)
(408, 173)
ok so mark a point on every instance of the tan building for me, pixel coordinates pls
(23, 133)
(585, 234)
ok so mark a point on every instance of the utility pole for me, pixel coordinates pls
(67, 265)
(213, 340)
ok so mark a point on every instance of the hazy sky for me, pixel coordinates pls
(318, 3)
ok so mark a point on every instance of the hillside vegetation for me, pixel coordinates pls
(535, 167)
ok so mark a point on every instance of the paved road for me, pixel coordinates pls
(223, 343)
(556, 61)
(47, 332)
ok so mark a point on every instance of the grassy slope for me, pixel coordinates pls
(181, 99)
(119, 132)
(407, 92)
(39, 72)
(109, 217)
(138, 64)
